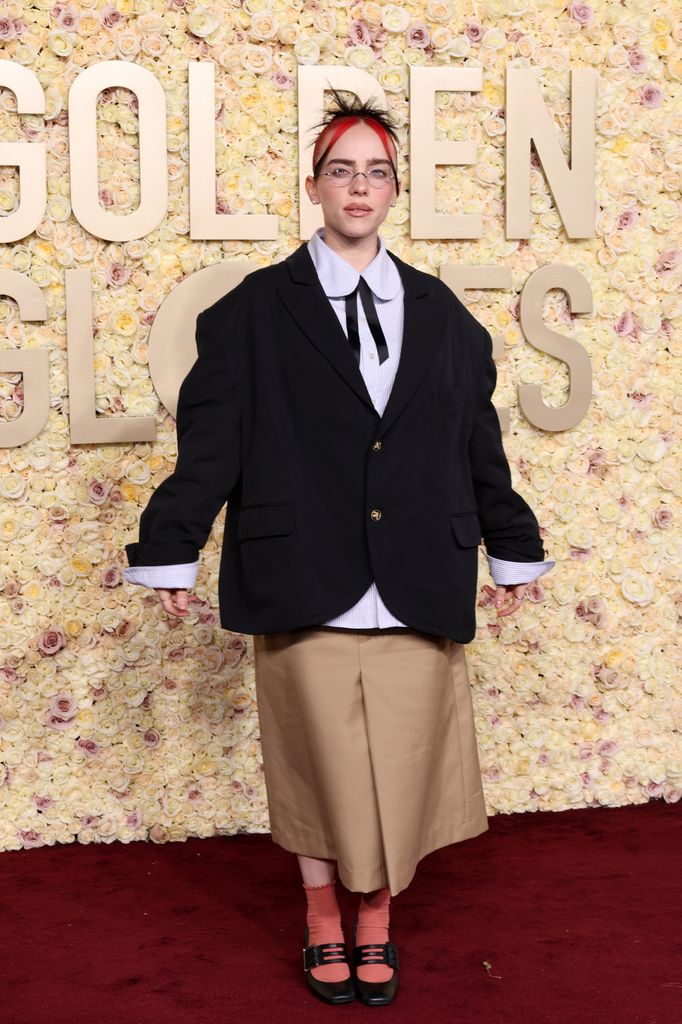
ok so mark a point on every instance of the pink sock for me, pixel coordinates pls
(324, 925)
(373, 914)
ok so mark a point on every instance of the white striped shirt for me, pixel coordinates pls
(338, 278)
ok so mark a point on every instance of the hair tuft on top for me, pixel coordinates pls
(353, 108)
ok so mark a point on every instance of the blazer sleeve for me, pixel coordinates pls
(180, 513)
(509, 527)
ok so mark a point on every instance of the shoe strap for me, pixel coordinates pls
(324, 953)
(376, 953)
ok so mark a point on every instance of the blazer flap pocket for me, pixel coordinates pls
(466, 527)
(266, 520)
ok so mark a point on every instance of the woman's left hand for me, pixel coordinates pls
(513, 592)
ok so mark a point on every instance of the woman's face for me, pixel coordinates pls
(363, 148)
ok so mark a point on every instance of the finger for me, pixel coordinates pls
(180, 602)
(516, 602)
(500, 595)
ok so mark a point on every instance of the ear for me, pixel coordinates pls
(311, 189)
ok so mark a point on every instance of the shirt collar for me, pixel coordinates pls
(338, 277)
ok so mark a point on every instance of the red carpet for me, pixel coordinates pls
(576, 912)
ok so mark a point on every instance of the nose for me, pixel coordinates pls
(360, 176)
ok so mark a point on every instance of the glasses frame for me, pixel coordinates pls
(354, 174)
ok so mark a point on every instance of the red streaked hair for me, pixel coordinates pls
(336, 129)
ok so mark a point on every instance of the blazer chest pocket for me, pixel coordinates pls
(449, 396)
(273, 520)
(466, 527)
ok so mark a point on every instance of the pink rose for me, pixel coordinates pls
(57, 514)
(662, 517)
(282, 79)
(51, 640)
(359, 33)
(582, 13)
(624, 324)
(98, 491)
(418, 35)
(628, 217)
(636, 59)
(474, 31)
(111, 577)
(668, 260)
(117, 275)
(43, 802)
(151, 738)
(67, 19)
(158, 833)
(7, 30)
(651, 95)
(63, 704)
(30, 838)
(89, 747)
(134, 819)
(110, 16)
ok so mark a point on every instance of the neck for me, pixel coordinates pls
(359, 252)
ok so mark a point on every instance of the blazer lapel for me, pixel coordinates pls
(303, 295)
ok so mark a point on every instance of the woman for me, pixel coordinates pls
(367, 729)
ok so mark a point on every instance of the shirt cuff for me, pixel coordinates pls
(182, 576)
(509, 573)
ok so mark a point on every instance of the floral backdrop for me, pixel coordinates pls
(120, 723)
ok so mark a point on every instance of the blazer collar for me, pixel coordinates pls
(424, 325)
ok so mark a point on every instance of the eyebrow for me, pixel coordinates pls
(351, 163)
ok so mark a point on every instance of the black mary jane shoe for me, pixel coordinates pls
(318, 956)
(376, 993)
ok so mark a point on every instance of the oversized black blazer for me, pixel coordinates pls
(323, 494)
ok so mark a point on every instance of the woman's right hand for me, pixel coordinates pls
(174, 601)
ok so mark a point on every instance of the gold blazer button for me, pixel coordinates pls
(376, 446)
(376, 514)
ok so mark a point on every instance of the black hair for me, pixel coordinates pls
(366, 109)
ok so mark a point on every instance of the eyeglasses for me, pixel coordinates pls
(378, 177)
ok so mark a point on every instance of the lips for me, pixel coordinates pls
(358, 208)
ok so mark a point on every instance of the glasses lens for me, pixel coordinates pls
(378, 177)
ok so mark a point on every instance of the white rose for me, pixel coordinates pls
(394, 18)
(202, 22)
(636, 587)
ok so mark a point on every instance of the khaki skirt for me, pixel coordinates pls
(369, 748)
